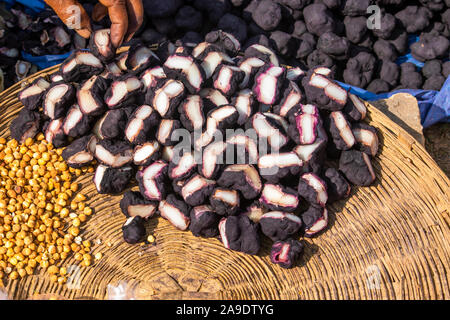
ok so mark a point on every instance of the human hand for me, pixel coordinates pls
(126, 17)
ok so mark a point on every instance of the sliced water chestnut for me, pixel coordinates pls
(241, 177)
(305, 129)
(166, 98)
(279, 198)
(152, 76)
(340, 130)
(250, 66)
(239, 233)
(324, 93)
(212, 98)
(271, 127)
(315, 219)
(141, 124)
(122, 91)
(56, 77)
(76, 124)
(337, 186)
(80, 152)
(31, 97)
(140, 58)
(113, 70)
(366, 138)
(279, 225)
(133, 204)
(54, 133)
(227, 79)
(291, 100)
(286, 253)
(165, 131)
(152, 181)
(58, 98)
(241, 149)
(25, 125)
(101, 45)
(313, 189)
(187, 70)
(204, 221)
(276, 166)
(225, 202)
(90, 96)
(133, 231)
(212, 159)
(268, 84)
(121, 61)
(357, 168)
(245, 104)
(191, 113)
(146, 153)
(112, 124)
(355, 110)
(183, 168)
(80, 65)
(263, 53)
(114, 153)
(312, 155)
(175, 211)
(196, 190)
(255, 211)
(214, 59)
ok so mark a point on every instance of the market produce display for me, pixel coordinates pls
(296, 140)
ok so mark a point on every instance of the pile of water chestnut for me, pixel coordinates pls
(235, 146)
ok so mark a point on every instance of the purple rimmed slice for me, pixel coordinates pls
(54, 133)
(250, 67)
(184, 167)
(152, 181)
(80, 65)
(187, 70)
(101, 45)
(268, 83)
(279, 225)
(212, 60)
(90, 96)
(263, 53)
(141, 125)
(152, 76)
(315, 219)
(58, 98)
(340, 130)
(313, 189)
(166, 98)
(242, 177)
(227, 79)
(114, 153)
(140, 57)
(31, 97)
(286, 253)
(225, 202)
(146, 153)
(175, 211)
(76, 124)
(196, 190)
(278, 198)
(245, 104)
(242, 149)
(80, 152)
(276, 166)
(165, 131)
(133, 204)
(122, 91)
(290, 102)
(355, 109)
(366, 138)
(212, 160)
(191, 113)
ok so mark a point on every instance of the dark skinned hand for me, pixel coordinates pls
(126, 17)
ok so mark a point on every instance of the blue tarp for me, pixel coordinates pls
(434, 105)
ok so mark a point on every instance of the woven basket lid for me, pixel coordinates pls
(388, 241)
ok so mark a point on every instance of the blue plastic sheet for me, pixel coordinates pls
(34, 6)
(47, 61)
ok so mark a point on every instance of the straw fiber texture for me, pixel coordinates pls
(388, 241)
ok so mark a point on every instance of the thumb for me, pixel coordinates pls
(73, 15)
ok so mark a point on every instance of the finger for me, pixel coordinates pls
(135, 17)
(99, 12)
(117, 11)
(73, 15)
